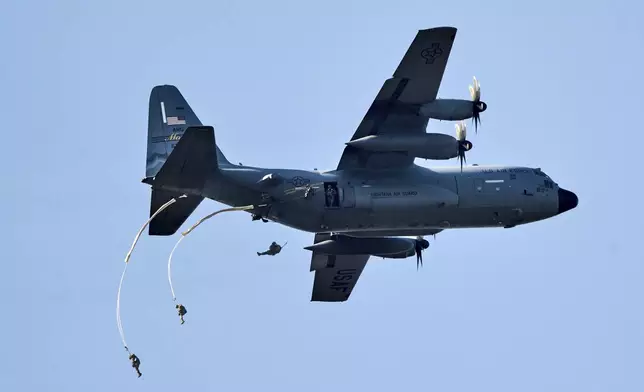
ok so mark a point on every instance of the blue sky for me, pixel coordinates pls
(554, 305)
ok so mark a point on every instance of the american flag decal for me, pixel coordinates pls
(177, 120)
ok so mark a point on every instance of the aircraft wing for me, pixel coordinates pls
(335, 282)
(415, 81)
(335, 275)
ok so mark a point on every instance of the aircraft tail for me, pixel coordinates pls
(181, 155)
(168, 117)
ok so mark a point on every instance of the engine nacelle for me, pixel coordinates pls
(389, 247)
(437, 146)
(452, 109)
(401, 255)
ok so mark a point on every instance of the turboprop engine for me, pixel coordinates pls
(437, 146)
(387, 247)
(457, 109)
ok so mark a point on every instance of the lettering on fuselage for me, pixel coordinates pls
(507, 171)
(377, 195)
(343, 279)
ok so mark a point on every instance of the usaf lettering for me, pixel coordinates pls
(342, 279)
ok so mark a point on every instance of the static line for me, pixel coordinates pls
(185, 233)
(127, 259)
(118, 310)
(174, 297)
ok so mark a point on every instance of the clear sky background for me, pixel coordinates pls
(551, 306)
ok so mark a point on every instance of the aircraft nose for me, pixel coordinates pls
(567, 200)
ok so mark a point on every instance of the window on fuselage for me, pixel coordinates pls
(478, 184)
(540, 173)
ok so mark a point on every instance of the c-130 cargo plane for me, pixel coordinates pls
(377, 195)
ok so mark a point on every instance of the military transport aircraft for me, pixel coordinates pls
(376, 197)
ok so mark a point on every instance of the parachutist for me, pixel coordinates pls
(274, 249)
(136, 362)
(182, 312)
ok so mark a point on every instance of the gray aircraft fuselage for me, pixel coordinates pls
(411, 201)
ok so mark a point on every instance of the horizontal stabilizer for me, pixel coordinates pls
(191, 162)
(186, 171)
(170, 219)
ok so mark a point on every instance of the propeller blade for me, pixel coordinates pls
(461, 131)
(479, 106)
(421, 244)
(462, 158)
(475, 90)
(464, 145)
(477, 121)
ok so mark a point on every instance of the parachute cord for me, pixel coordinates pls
(174, 297)
(127, 259)
(118, 310)
(185, 233)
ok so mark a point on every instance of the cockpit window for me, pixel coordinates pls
(542, 174)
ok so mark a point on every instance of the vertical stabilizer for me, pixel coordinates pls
(168, 117)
